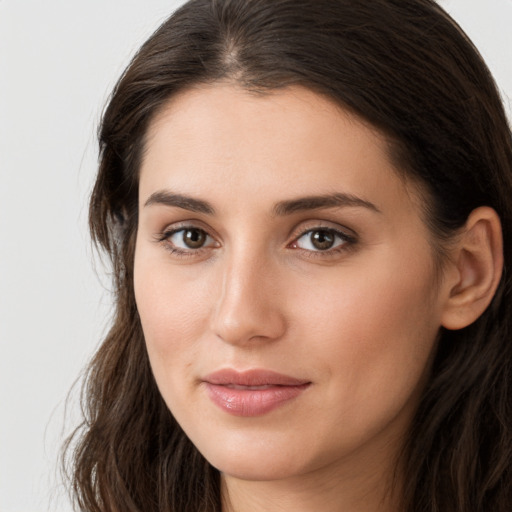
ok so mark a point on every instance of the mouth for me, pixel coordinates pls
(253, 392)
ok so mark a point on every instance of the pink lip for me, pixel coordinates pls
(253, 392)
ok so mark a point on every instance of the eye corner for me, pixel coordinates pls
(186, 240)
(328, 242)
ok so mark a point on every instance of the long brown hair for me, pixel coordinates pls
(405, 67)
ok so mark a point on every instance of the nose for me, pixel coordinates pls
(248, 308)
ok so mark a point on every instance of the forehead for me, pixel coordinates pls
(218, 140)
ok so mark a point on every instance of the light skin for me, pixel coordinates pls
(274, 233)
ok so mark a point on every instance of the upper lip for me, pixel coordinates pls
(255, 377)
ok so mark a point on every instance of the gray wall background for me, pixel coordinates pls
(58, 61)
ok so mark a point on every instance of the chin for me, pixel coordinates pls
(256, 468)
(256, 457)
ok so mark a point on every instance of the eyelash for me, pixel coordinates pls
(347, 242)
(164, 239)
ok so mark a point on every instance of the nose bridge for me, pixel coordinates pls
(248, 305)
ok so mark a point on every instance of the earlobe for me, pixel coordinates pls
(478, 262)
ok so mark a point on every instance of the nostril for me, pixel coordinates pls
(247, 309)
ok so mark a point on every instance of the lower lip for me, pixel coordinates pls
(252, 402)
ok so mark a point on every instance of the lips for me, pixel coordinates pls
(253, 392)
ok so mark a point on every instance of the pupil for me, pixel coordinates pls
(194, 238)
(322, 240)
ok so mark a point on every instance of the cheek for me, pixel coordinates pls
(386, 297)
(373, 332)
(173, 315)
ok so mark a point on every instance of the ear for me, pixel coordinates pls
(477, 264)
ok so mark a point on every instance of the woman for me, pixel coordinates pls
(308, 208)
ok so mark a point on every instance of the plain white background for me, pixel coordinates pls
(58, 61)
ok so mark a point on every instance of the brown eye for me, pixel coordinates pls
(322, 240)
(194, 238)
(188, 239)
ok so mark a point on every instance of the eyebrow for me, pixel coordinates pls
(180, 201)
(280, 209)
(336, 200)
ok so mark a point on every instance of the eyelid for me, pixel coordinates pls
(174, 227)
(313, 225)
(348, 236)
(163, 237)
(169, 234)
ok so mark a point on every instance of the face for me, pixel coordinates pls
(285, 282)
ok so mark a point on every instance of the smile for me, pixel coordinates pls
(252, 393)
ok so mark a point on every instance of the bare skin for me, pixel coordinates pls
(275, 234)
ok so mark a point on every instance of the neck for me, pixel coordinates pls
(357, 487)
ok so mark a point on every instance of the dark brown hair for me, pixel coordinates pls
(405, 67)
